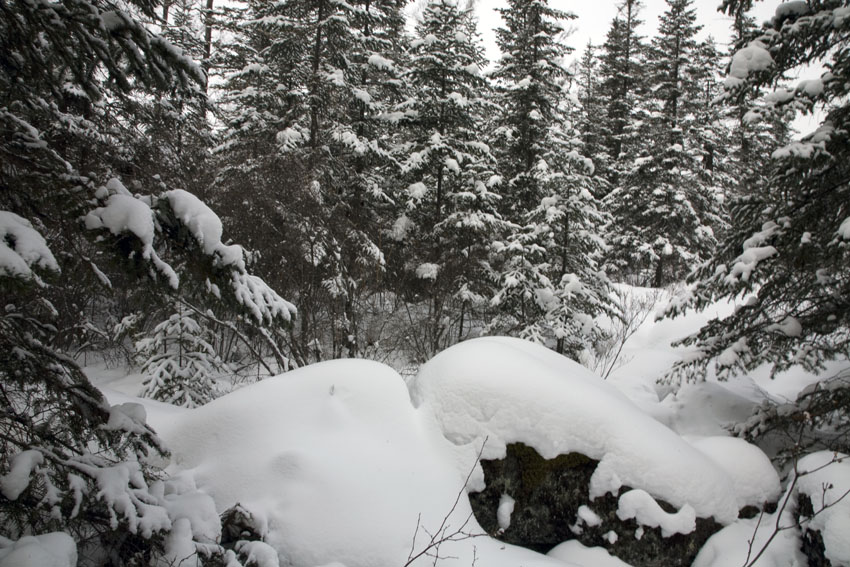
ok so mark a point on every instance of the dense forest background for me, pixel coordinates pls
(171, 171)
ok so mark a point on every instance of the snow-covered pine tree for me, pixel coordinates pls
(754, 135)
(551, 286)
(666, 207)
(592, 107)
(622, 88)
(319, 77)
(177, 137)
(68, 460)
(179, 361)
(786, 260)
(446, 206)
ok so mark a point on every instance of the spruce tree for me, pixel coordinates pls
(326, 75)
(786, 259)
(72, 236)
(666, 207)
(179, 361)
(551, 285)
(446, 201)
(623, 87)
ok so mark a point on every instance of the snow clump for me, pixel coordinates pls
(21, 247)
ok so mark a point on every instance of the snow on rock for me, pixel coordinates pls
(825, 478)
(21, 468)
(755, 481)
(639, 505)
(336, 465)
(589, 517)
(844, 229)
(21, 247)
(205, 226)
(574, 553)
(56, 549)
(183, 501)
(503, 513)
(507, 390)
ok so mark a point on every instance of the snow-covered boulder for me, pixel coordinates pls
(334, 464)
(576, 457)
(508, 390)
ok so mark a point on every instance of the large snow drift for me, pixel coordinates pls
(338, 466)
(508, 390)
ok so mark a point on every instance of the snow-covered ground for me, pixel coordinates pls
(343, 462)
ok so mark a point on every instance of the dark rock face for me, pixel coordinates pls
(548, 494)
(812, 544)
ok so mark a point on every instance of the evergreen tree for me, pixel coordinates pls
(551, 284)
(666, 208)
(176, 138)
(447, 211)
(592, 128)
(326, 74)
(80, 465)
(755, 134)
(787, 256)
(623, 87)
(179, 361)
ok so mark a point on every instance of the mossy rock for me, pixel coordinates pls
(548, 495)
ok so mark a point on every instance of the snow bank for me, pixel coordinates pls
(825, 478)
(338, 466)
(572, 552)
(55, 549)
(508, 390)
(754, 479)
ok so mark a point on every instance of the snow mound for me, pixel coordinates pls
(507, 390)
(754, 479)
(824, 477)
(572, 552)
(731, 546)
(55, 549)
(336, 465)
